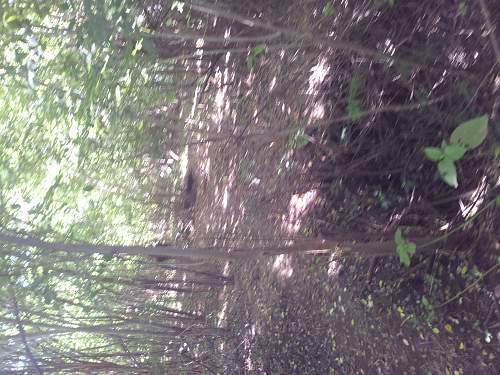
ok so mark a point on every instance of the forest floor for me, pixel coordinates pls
(282, 167)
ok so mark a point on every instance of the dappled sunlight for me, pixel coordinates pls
(282, 265)
(469, 209)
(297, 209)
(225, 198)
(334, 266)
(221, 316)
(247, 344)
(317, 76)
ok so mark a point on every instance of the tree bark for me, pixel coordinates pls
(345, 247)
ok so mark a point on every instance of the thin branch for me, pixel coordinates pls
(346, 118)
(22, 334)
(291, 33)
(491, 30)
(469, 287)
(207, 38)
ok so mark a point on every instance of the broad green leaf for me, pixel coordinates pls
(391, 2)
(434, 153)
(471, 133)
(404, 258)
(411, 247)
(8, 19)
(497, 200)
(250, 60)
(353, 103)
(353, 109)
(454, 152)
(327, 9)
(398, 237)
(258, 49)
(448, 172)
(404, 248)
(496, 150)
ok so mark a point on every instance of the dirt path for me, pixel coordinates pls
(305, 314)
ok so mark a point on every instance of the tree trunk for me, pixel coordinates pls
(343, 247)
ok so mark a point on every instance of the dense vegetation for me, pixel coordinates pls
(156, 157)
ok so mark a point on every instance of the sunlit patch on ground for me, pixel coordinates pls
(222, 314)
(297, 208)
(334, 267)
(317, 77)
(282, 265)
(476, 200)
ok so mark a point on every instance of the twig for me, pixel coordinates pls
(22, 334)
(469, 287)
(491, 30)
(446, 235)
(273, 135)
(290, 33)
(209, 38)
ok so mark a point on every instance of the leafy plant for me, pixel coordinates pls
(328, 9)
(404, 248)
(256, 51)
(466, 136)
(298, 141)
(353, 103)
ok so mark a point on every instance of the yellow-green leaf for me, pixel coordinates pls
(448, 172)
(433, 153)
(471, 133)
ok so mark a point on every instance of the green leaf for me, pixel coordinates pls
(250, 60)
(433, 153)
(411, 247)
(391, 2)
(496, 150)
(327, 9)
(404, 248)
(426, 303)
(258, 49)
(398, 237)
(404, 258)
(471, 133)
(454, 152)
(354, 109)
(301, 141)
(88, 188)
(497, 200)
(448, 172)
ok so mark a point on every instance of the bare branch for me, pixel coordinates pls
(22, 334)
(491, 30)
